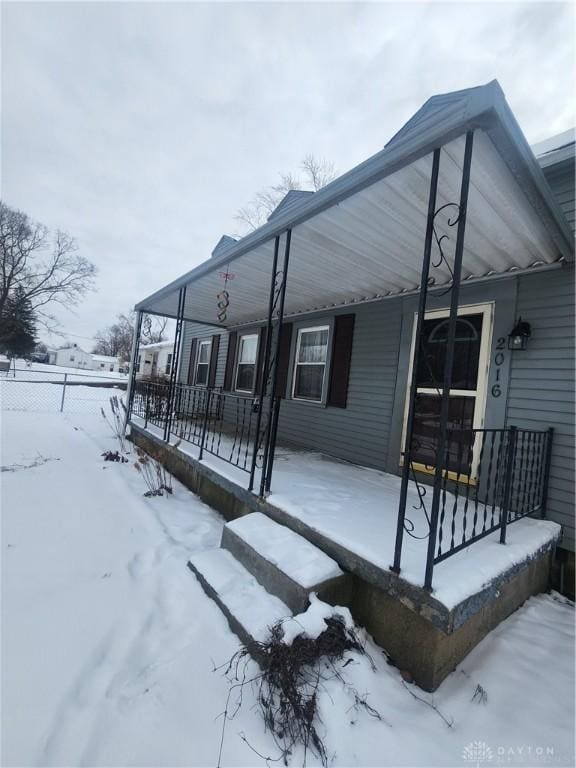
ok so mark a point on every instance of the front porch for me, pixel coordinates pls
(349, 512)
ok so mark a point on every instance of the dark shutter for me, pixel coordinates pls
(341, 357)
(230, 360)
(213, 359)
(284, 360)
(192, 361)
(262, 334)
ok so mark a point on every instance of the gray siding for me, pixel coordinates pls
(541, 393)
(196, 331)
(359, 432)
(537, 384)
(561, 180)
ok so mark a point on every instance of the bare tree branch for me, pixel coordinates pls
(317, 173)
(45, 270)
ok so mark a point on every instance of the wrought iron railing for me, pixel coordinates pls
(493, 478)
(220, 423)
(150, 401)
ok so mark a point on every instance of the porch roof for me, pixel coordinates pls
(361, 237)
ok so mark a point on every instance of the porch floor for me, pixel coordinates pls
(356, 508)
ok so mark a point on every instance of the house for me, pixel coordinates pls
(376, 388)
(73, 356)
(155, 360)
(104, 363)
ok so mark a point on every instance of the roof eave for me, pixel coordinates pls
(484, 108)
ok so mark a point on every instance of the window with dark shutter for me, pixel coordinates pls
(341, 359)
(262, 335)
(214, 359)
(284, 360)
(192, 361)
(230, 361)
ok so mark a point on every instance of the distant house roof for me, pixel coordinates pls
(291, 200)
(157, 345)
(555, 149)
(71, 348)
(223, 244)
(104, 359)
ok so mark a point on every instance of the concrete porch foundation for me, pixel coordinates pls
(421, 634)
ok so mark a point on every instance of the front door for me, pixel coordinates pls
(468, 393)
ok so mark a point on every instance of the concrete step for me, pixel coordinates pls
(285, 563)
(249, 608)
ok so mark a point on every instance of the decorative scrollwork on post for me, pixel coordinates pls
(441, 260)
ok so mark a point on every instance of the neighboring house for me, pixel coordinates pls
(72, 357)
(302, 338)
(155, 360)
(104, 363)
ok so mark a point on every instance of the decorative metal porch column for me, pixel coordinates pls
(407, 454)
(265, 438)
(264, 374)
(456, 270)
(133, 361)
(175, 361)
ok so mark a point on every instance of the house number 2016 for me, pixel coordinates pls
(498, 362)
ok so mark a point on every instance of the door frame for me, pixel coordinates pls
(487, 310)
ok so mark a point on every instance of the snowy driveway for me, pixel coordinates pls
(108, 642)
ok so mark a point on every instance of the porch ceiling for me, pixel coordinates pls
(369, 244)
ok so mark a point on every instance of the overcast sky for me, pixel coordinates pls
(141, 128)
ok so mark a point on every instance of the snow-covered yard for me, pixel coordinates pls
(109, 642)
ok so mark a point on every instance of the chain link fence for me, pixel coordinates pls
(42, 390)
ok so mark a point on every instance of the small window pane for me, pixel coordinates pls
(245, 377)
(466, 352)
(204, 353)
(313, 346)
(247, 352)
(309, 379)
(202, 373)
(427, 429)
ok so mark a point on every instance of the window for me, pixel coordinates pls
(467, 394)
(168, 364)
(72, 358)
(310, 363)
(246, 365)
(203, 363)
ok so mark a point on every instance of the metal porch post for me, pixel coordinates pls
(547, 462)
(274, 408)
(133, 360)
(266, 362)
(407, 455)
(174, 367)
(449, 360)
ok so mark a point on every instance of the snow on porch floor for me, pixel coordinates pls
(356, 507)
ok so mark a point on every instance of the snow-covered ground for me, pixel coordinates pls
(35, 371)
(109, 642)
(40, 387)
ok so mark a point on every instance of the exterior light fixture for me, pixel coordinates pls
(519, 335)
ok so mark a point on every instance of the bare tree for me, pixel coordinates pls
(153, 328)
(45, 269)
(116, 339)
(317, 172)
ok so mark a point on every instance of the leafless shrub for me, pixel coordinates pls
(289, 684)
(116, 420)
(157, 479)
